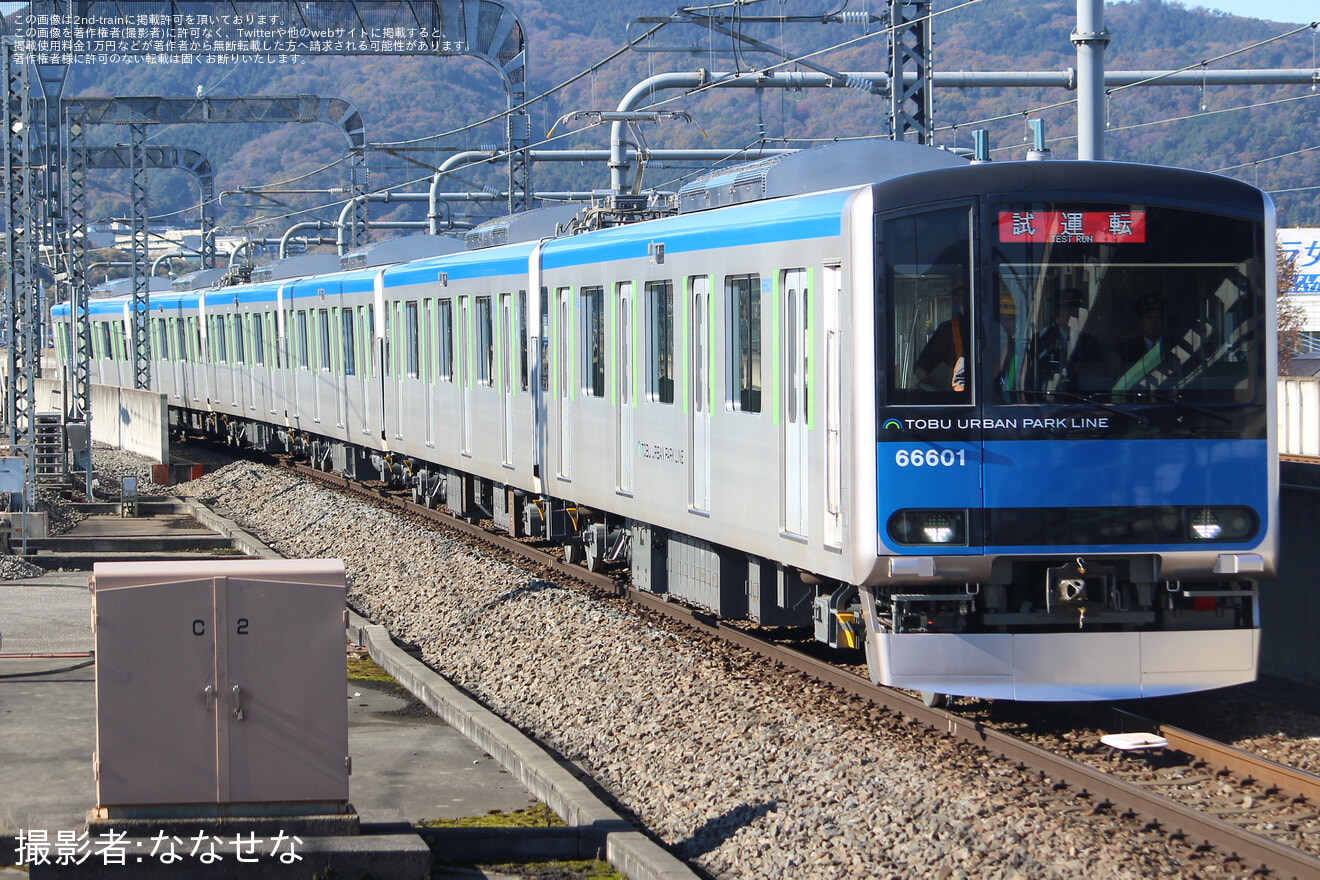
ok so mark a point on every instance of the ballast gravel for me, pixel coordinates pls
(744, 772)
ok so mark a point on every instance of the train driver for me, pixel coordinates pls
(1063, 349)
(1148, 347)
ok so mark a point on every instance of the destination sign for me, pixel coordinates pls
(1073, 227)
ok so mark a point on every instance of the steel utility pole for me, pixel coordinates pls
(1090, 38)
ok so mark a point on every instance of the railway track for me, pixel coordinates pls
(1257, 816)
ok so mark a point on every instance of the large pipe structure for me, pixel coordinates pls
(1070, 78)
(469, 158)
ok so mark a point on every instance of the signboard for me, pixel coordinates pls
(1073, 227)
(1303, 244)
(12, 472)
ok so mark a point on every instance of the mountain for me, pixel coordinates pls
(1263, 134)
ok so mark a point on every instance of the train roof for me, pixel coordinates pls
(829, 166)
(399, 250)
(1075, 180)
(199, 280)
(297, 267)
(531, 225)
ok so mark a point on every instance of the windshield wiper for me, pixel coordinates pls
(1165, 397)
(1089, 401)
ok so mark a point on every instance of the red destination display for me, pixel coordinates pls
(1073, 227)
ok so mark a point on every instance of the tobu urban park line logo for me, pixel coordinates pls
(1073, 423)
(658, 452)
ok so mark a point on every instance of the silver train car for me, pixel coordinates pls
(876, 390)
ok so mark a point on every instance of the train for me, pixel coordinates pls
(1008, 428)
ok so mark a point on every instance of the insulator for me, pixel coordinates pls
(859, 83)
(855, 16)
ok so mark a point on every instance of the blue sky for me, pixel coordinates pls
(1299, 11)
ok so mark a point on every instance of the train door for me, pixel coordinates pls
(253, 358)
(321, 383)
(506, 321)
(175, 356)
(186, 361)
(930, 431)
(282, 348)
(266, 352)
(377, 328)
(427, 372)
(564, 316)
(793, 440)
(405, 344)
(233, 330)
(534, 326)
(463, 338)
(831, 290)
(624, 411)
(341, 340)
(699, 421)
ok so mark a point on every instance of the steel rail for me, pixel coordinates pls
(1222, 756)
(1108, 792)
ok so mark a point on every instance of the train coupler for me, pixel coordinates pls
(1078, 583)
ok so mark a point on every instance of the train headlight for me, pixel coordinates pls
(1221, 523)
(1205, 524)
(948, 527)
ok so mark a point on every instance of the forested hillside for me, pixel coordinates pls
(1267, 134)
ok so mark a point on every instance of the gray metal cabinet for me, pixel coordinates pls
(220, 684)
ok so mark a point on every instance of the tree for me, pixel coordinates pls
(1291, 317)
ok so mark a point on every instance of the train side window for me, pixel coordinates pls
(485, 345)
(445, 351)
(428, 341)
(660, 341)
(593, 341)
(623, 295)
(323, 334)
(222, 339)
(743, 342)
(350, 343)
(304, 357)
(367, 321)
(927, 270)
(412, 339)
(258, 341)
(240, 339)
(181, 339)
(521, 320)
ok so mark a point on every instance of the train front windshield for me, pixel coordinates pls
(1099, 304)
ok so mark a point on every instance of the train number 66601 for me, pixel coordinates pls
(930, 458)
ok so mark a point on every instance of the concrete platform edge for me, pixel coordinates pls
(628, 850)
(242, 539)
